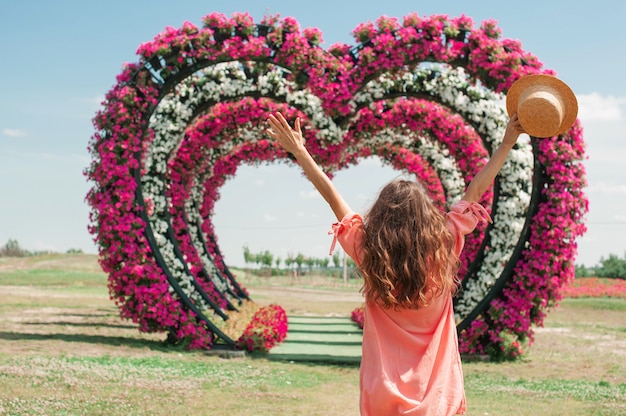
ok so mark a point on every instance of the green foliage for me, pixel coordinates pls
(310, 262)
(299, 260)
(264, 258)
(247, 256)
(613, 266)
(582, 271)
(266, 261)
(12, 249)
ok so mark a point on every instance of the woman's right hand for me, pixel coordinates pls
(513, 130)
(290, 139)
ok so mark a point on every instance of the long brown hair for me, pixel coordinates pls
(407, 249)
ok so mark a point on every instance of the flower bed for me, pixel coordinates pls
(594, 287)
(267, 328)
(358, 316)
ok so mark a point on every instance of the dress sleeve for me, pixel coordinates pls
(349, 233)
(462, 219)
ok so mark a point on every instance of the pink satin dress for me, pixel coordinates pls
(410, 361)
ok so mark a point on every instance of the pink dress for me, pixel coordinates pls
(410, 359)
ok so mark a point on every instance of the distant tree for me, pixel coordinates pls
(581, 271)
(257, 258)
(277, 262)
(310, 262)
(74, 251)
(266, 258)
(40, 252)
(323, 263)
(289, 261)
(247, 258)
(299, 261)
(12, 249)
(336, 260)
(353, 270)
(613, 266)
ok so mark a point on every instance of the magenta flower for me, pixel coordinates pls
(169, 135)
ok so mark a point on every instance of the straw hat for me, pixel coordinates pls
(545, 105)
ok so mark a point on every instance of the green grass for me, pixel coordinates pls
(116, 385)
(165, 385)
(610, 304)
(487, 393)
(582, 390)
(51, 277)
(166, 368)
(64, 351)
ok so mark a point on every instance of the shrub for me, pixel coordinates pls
(267, 328)
(12, 249)
(358, 316)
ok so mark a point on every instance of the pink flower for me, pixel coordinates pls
(140, 288)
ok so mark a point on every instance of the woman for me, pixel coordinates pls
(407, 251)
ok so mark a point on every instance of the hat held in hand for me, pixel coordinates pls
(545, 105)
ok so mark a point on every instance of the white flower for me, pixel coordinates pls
(477, 105)
(483, 109)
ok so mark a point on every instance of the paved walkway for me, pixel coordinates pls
(320, 339)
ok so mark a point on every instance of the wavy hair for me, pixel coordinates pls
(407, 252)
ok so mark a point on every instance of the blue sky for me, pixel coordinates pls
(60, 57)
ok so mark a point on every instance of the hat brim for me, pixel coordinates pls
(565, 92)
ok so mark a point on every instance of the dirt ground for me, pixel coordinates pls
(85, 322)
(69, 320)
(80, 319)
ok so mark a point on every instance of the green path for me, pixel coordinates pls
(317, 338)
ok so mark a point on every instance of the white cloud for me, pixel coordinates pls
(269, 218)
(595, 107)
(70, 157)
(607, 188)
(362, 197)
(14, 132)
(96, 100)
(371, 161)
(309, 194)
(259, 182)
(45, 246)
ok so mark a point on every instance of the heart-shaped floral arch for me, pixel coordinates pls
(424, 94)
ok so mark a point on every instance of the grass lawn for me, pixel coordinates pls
(64, 351)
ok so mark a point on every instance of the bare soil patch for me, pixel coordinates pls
(83, 262)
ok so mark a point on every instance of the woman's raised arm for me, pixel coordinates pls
(484, 178)
(293, 142)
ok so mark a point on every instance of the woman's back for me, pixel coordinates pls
(410, 361)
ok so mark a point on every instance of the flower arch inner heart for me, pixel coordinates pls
(424, 94)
